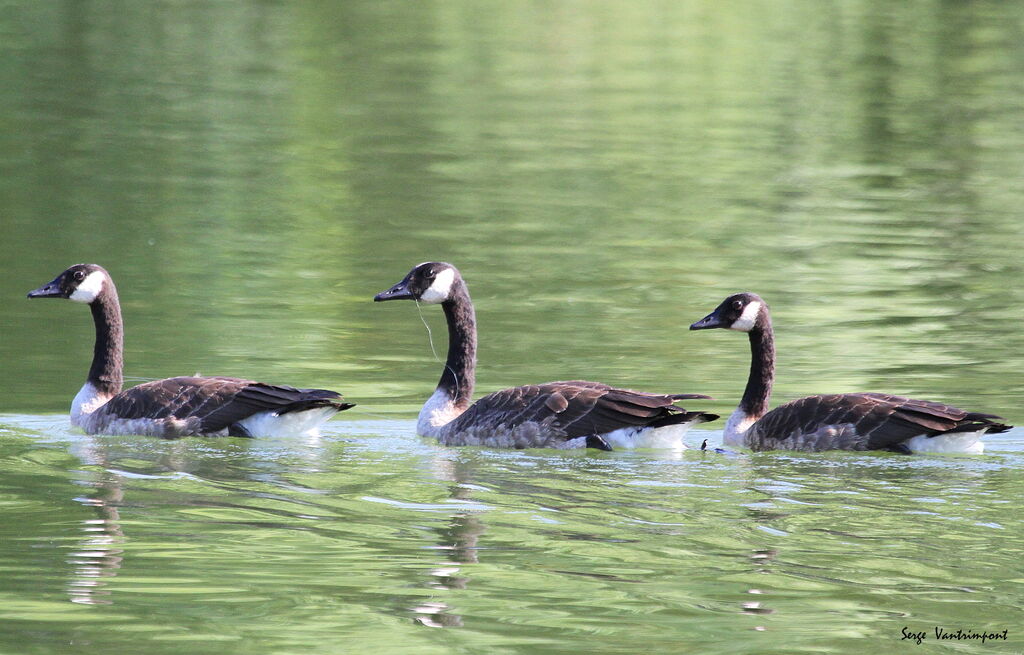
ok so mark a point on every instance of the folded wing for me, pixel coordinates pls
(579, 408)
(883, 421)
(217, 402)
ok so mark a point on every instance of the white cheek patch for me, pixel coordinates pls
(441, 287)
(745, 323)
(90, 288)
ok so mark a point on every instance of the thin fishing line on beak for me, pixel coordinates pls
(430, 339)
(430, 335)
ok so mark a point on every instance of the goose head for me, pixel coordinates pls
(81, 283)
(430, 282)
(741, 311)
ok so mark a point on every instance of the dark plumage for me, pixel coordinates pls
(180, 406)
(577, 408)
(850, 421)
(566, 414)
(864, 421)
(211, 405)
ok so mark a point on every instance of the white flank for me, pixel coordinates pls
(87, 400)
(736, 427)
(439, 290)
(670, 436)
(89, 288)
(951, 442)
(103, 423)
(293, 424)
(747, 319)
(439, 410)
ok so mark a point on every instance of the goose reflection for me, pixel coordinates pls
(458, 540)
(100, 554)
(762, 558)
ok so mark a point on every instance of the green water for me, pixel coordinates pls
(603, 173)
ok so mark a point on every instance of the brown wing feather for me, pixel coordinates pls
(578, 408)
(217, 402)
(883, 421)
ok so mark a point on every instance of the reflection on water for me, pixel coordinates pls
(101, 552)
(372, 525)
(458, 542)
(758, 557)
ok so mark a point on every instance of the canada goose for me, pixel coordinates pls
(571, 414)
(847, 421)
(175, 407)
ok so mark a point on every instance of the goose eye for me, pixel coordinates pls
(430, 274)
(79, 276)
(737, 304)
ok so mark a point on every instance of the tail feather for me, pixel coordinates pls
(313, 403)
(684, 417)
(988, 422)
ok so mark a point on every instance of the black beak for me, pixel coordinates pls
(398, 292)
(48, 290)
(710, 321)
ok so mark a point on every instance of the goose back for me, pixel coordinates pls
(564, 414)
(192, 406)
(862, 421)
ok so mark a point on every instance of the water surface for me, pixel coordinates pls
(368, 537)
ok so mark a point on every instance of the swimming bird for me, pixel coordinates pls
(568, 414)
(180, 406)
(845, 421)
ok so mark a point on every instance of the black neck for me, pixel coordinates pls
(107, 354)
(762, 369)
(459, 374)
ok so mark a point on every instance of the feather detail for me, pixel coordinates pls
(874, 421)
(570, 409)
(210, 405)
